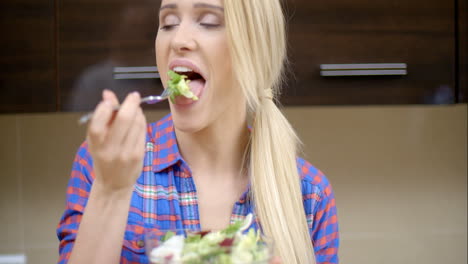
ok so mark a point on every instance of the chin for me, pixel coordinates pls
(186, 123)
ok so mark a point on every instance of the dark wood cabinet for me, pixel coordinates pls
(96, 39)
(418, 33)
(462, 50)
(27, 61)
(60, 55)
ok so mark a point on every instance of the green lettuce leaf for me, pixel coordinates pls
(178, 86)
(167, 236)
(232, 229)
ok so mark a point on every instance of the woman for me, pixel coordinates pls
(200, 159)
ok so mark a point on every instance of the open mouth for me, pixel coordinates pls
(196, 84)
(191, 75)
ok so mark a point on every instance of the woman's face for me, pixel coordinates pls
(192, 41)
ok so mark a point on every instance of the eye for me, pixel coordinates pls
(210, 21)
(206, 25)
(169, 22)
(167, 27)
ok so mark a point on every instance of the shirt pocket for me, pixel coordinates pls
(134, 250)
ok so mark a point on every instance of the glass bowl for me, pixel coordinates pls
(217, 247)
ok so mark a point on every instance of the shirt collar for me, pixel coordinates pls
(166, 151)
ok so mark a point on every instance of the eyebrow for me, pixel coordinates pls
(196, 5)
(168, 6)
(205, 5)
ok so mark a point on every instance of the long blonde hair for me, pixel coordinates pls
(256, 29)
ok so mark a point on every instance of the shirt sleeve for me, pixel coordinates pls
(78, 190)
(321, 213)
(325, 234)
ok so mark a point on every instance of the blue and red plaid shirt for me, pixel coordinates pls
(164, 197)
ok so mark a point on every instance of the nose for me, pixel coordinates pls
(184, 39)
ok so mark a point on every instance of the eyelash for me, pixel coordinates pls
(206, 25)
(168, 27)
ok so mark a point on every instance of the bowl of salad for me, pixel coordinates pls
(232, 245)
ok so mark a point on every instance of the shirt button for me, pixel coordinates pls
(140, 243)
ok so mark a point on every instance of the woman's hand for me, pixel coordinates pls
(117, 142)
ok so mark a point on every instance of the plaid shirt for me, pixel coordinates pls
(164, 197)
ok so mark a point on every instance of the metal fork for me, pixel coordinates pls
(152, 99)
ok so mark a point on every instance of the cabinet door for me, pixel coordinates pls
(27, 66)
(416, 34)
(106, 44)
(110, 44)
(462, 51)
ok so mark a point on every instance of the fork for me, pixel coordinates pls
(152, 99)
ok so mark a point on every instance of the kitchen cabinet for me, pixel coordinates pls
(104, 45)
(60, 55)
(462, 50)
(418, 35)
(27, 62)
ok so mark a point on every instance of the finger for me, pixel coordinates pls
(124, 118)
(97, 128)
(108, 95)
(140, 140)
(135, 139)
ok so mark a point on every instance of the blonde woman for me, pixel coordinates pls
(201, 167)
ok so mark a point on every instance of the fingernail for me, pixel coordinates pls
(106, 95)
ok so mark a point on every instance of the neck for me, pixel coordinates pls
(218, 149)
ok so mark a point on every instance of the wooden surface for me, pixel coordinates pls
(95, 37)
(335, 31)
(418, 32)
(60, 55)
(462, 50)
(27, 66)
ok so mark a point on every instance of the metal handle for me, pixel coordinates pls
(142, 72)
(363, 69)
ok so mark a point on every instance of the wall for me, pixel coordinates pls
(399, 174)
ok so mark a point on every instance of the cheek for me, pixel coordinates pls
(161, 61)
(227, 60)
(224, 75)
(158, 49)
(222, 59)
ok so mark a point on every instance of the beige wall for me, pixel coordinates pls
(399, 174)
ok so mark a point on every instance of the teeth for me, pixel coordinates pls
(182, 69)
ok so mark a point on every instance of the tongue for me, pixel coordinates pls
(196, 88)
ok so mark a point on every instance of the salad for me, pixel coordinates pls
(178, 85)
(228, 246)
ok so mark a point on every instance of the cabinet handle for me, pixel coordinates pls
(363, 69)
(143, 72)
